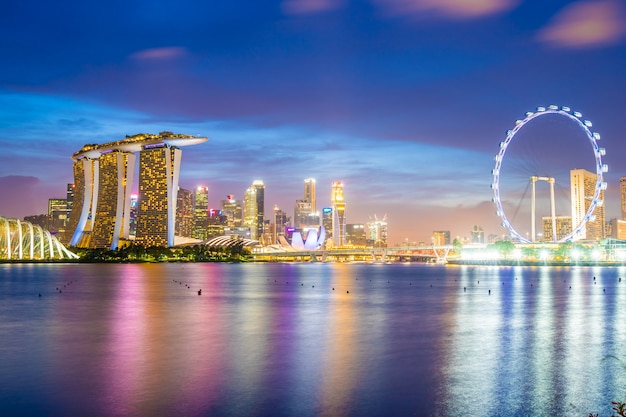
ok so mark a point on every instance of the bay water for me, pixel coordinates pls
(310, 339)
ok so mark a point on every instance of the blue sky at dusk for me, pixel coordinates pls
(405, 101)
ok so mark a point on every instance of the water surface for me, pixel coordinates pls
(309, 340)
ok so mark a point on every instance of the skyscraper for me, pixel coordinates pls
(200, 212)
(184, 213)
(159, 167)
(254, 209)
(103, 178)
(377, 231)
(339, 214)
(233, 210)
(309, 192)
(112, 218)
(280, 222)
(622, 194)
(583, 185)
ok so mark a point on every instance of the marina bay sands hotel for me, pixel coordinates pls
(103, 178)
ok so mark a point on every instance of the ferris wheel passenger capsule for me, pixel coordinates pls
(602, 151)
(565, 108)
(588, 123)
(596, 135)
(578, 114)
(603, 186)
(600, 203)
(553, 107)
(518, 121)
(541, 108)
(529, 113)
(605, 168)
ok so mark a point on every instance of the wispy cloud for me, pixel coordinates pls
(451, 9)
(299, 7)
(171, 52)
(586, 24)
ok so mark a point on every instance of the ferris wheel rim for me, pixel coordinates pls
(593, 137)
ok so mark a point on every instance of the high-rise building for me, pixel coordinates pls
(622, 194)
(159, 168)
(339, 214)
(478, 235)
(563, 227)
(69, 198)
(441, 237)
(327, 221)
(184, 213)
(217, 223)
(281, 221)
(301, 213)
(583, 186)
(355, 235)
(377, 232)
(133, 215)
(200, 212)
(112, 218)
(103, 178)
(253, 209)
(618, 229)
(86, 172)
(233, 210)
(309, 192)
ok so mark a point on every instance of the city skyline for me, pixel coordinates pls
(403, 103)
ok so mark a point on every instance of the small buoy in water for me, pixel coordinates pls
(570, 287)
(333, 288)
(431, 285)
(347, 292)
(594, 278)
(604, 289)
(479, 282)
(40, 294)
(489, 291)
(313, 286)
(302, 285)
(200, 291)
(464, 288)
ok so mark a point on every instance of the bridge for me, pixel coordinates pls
(434, 254)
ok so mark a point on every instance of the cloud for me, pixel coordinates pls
(451, 9)
(298, 7)
(22, 196)
(167, 53)
(586, 24)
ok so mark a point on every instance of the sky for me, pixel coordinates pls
(404, 101)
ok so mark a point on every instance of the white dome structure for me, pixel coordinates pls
(314, 240)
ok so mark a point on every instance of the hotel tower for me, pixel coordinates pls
(339, 214)
(103, 177)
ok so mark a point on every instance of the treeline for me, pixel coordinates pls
(139, 253)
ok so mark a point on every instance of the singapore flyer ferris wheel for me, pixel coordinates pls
(600, 169)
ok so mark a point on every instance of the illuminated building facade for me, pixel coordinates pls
(200, 213)
(622, 195)
(583, 185)
(159, 167)
(184, 213)
(309, 192)
(377, 232)
(618, 229)
(103, 178)
(281, 221)
(112, 217)
(441, 237)
(233, 210)
(563, 227)
(254, 209)
(478, 234)
(355, 235)
(339, 214)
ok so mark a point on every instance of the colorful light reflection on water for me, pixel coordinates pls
(310, 339)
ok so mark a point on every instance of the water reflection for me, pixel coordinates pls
(277, 340)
